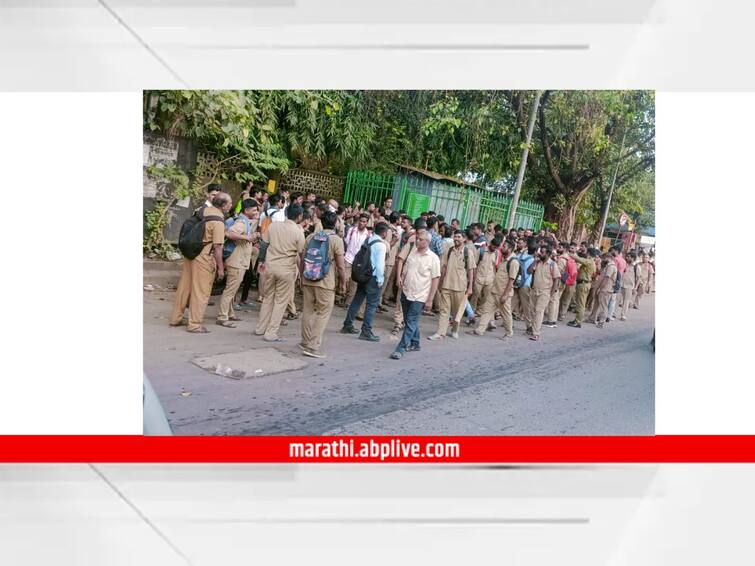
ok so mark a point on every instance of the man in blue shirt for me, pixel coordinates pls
(436, 240)
(371, 289)
(526, 258)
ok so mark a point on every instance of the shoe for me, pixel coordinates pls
(311, 353)
(506, 337)
(491, 327)
(349, 330)
(600, 325)
(474, 333)
(292, 316)
(608, 320)
(370, 337)
(412, 348)
(551, 324)
(455, 335)
(561, 318)
(430, 314)
(574, 324)
(360, 317)
(623, 318)
(528, 332)
(471, 321)
(396, 356)
(396, 331)
(535, 338)
(435, 336)
(276, 340)
(381, 308)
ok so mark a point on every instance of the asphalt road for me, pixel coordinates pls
(585, 381)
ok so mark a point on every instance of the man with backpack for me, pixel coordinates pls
(368, 271)
(323, 256)
(237, 256)
(523, 287)
(201, 243)
(570, 281)
(603, 290)
(355, 237)
(456, 281)
(500, 293)
(586, 260)
(545, 279)
(562, 261)
(284, 242)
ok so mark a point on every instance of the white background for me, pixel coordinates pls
(72, 286)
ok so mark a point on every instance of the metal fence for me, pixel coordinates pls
(419, 193)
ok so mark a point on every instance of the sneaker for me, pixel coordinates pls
(349, 330)
(412, 348)
(311, 353)
(455, 335)
(600, 324)
(608, 320)
(561, 318)
(623, 318)
(551, 324)
(474, 333)
(370, 337)
(435, 336)
(396, 356)
(396, 331)
(574, 324)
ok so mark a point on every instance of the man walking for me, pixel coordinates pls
(198, 274)
(500, 293)
(370, 290)
(319, 294)
(456, 281)
(417, 286)
(523, 292)
(628, 284)
(585, 260)
(285, 241)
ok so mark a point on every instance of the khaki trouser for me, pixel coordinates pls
(553, 304)
(601, 311)
(640, 292)
(398, 314)
(626, 294)
(481, 292)
(351, 285)
(194, 288)
(452, 302)
(525, 305)
(233, 278)
(492, 303)
(540, 299)
(388, 283)
(566, 298)
(278, 291)
(316, 311)
(582, 290)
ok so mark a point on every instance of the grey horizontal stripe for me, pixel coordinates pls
(404, 47)
(466, 521)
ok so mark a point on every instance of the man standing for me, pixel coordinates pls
(371, 289)
(436, 240)
(628, 284)
(390, 276)
(417, 286)
(212, 191)
(198, 274)
(500, 294)
(456, 280)
(571, 282)
(604, 290)
(405, 248)
(585, 260)
(285, 241)
(485, 273)
(387, 206)
(242, 234)
(356, 236)
(643, 273)
(545, 280)
(526, 259)
(621, 267)
(319, 295)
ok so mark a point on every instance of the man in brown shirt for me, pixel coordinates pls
(555, 302)
(603, 290)
(319, 296)
(456, 280)
(285, 241)
(195, 284)
(485, 273)
(243, 234)
(545, 278)
(389, 283)
(501, 292)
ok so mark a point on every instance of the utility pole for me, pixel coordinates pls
(610, 192)
(523, 163)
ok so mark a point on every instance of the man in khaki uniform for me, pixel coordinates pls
(545, 279)
(198, 274)
(485, 273)
(568, 293)
(628, 284)
(604, 290)
(285, 241)
(585, 260)
(390, 260)
(553, 306)
(456, 280)
(501, 292)
(319, 296)
(242, 233)
(398, 316)
(643, 273)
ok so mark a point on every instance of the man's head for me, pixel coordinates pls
(532, 247)
(311, 197)
(631, 257)
(388, 203)
(448, 232)
(394, 218)
(250, 208)
(455, 224)
(458, 238)
(562, 247)
(432, 222)
(362, 221)
(495, 243)
(222, 201)
(275, 200)
(370, 207)
(328, 220)
(476, 229)
(406, 222)
(212, 190)
(381, 229)
(422, 239)
(491, 226)
(521, 244)
(294, 212)
(593, 252)
(420, 224)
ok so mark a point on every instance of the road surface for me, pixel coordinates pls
(586, 381)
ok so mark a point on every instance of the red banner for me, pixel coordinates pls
(417, 449)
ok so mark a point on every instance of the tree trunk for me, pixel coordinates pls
(566, 221)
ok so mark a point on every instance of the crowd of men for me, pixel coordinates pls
(374, 259)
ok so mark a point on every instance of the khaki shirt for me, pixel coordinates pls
(393, 243)
(408, 247)
(545, 272)
(242, 253)
(486, 268)
(420, 270)
(609, 271)
(335, 248)
(628, 280)
(508, 270)
(586, 268)
(286, 241)
(456, 278)
(214, 231)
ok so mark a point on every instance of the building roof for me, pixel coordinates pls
(437, 176)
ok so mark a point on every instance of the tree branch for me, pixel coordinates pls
(552, 171)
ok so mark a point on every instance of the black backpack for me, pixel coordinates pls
(361, 268)
(191, 238)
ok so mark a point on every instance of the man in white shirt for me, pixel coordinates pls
(354, 239)
(418, 284)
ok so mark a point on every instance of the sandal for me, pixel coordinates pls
(234, 318)
(535, 338)
(182, 323)
(200, 330)
(225, 323)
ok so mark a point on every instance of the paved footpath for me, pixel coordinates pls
(586, 381)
